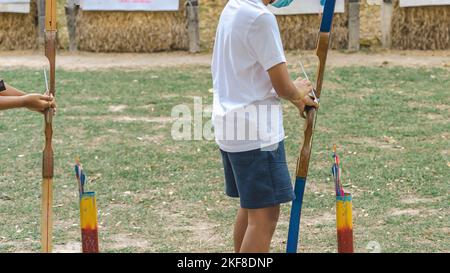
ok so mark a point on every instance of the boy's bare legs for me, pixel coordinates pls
(261, 224)
(240, 228)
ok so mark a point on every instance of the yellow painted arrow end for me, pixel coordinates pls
(50, 15)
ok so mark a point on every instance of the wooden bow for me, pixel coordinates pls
(47, 161)
(323, 44)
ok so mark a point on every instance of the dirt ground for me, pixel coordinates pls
(94, 61)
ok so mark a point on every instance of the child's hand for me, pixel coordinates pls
(53, 103)
(303, 99)
(303, 85)
(38, 103)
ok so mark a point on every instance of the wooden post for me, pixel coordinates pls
(353, 25)
(387, 11)
(193, 25)
(41, 23)
(71, 8)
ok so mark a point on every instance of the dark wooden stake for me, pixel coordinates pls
(192, 15)
(353, 25)
(72, 7)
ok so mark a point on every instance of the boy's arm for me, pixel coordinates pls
(297, 92)
(11, 97)
(282, 83)
(11, 102)
(265, 44)
(11, 91)
(34, 102)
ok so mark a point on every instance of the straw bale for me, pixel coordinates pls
(300, 31)
(63, 33)
(370, 23)
(19, 31)
(421, 28)
(297, 31)
(107, 31)
(210, 11)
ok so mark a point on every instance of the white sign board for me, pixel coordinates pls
(306, 7)
(15, 6)
(420, 3)
(374, 2)
(130, 5)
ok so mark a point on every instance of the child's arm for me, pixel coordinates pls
(13, 98)
(33, 102)
(297, 92)
(11, 91)
(11, 102)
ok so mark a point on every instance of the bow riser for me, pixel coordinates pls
(50, 53)
(305, 153)
(322, 54)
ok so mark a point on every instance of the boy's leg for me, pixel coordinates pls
(260, 229)
(261, 180)
(240, 228)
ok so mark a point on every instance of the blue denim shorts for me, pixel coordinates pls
(259, 178)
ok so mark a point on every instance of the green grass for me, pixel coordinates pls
(159, 195)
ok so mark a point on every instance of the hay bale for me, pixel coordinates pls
(421, 28)
(107, 31)
(19, 31)
(370, 20)
(63, 32)
(297, 31)
(300, 31)
(210, 11)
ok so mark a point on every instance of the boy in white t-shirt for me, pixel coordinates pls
(249, 77)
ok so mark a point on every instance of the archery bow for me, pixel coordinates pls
(323, 43)
(47, 158)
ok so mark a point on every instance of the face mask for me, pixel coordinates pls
(282, 3)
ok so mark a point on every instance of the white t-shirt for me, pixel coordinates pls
(247, 112)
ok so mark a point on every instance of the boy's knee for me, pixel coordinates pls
(264, 217)
(266, 226)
